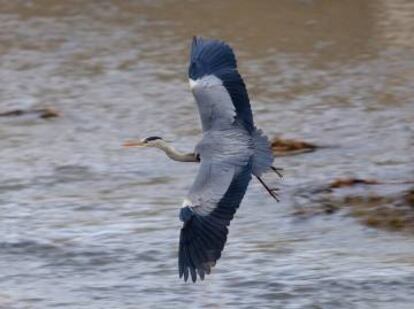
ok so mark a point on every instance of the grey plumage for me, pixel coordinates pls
(231, 150)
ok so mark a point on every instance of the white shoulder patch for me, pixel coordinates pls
(186, 203)
(193, 83)
(206, 81)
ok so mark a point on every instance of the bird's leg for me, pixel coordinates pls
(272, 192)
(278, 171)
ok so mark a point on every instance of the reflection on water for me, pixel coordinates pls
(86, 224)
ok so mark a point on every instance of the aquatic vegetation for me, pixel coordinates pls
(348, 182)
(289, 147)
(43, 113)
(392, 211)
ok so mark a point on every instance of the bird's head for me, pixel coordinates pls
(152, 141)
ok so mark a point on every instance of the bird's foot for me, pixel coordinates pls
(278, 171)
(272, 191)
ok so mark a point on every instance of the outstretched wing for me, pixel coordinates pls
(211, 204)
(217, 86)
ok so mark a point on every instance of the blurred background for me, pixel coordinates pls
(87, 224)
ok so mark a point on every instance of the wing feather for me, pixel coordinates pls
(217, 86)
(204, 233)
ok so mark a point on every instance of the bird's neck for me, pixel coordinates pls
(175, 155)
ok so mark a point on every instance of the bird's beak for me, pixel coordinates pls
(133, 143)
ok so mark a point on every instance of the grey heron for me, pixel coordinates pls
(231, 150)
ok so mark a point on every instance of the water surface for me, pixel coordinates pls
(87, 224)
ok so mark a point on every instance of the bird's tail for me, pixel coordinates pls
(263, 156)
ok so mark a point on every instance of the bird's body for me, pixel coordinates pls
(231, 150)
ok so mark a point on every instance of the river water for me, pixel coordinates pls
(87, 224)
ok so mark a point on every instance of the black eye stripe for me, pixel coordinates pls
(151, 138)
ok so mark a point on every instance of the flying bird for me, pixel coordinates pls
(231, 150)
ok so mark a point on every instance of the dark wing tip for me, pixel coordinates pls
(199, 248)
(209, 56)
(193, 44)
